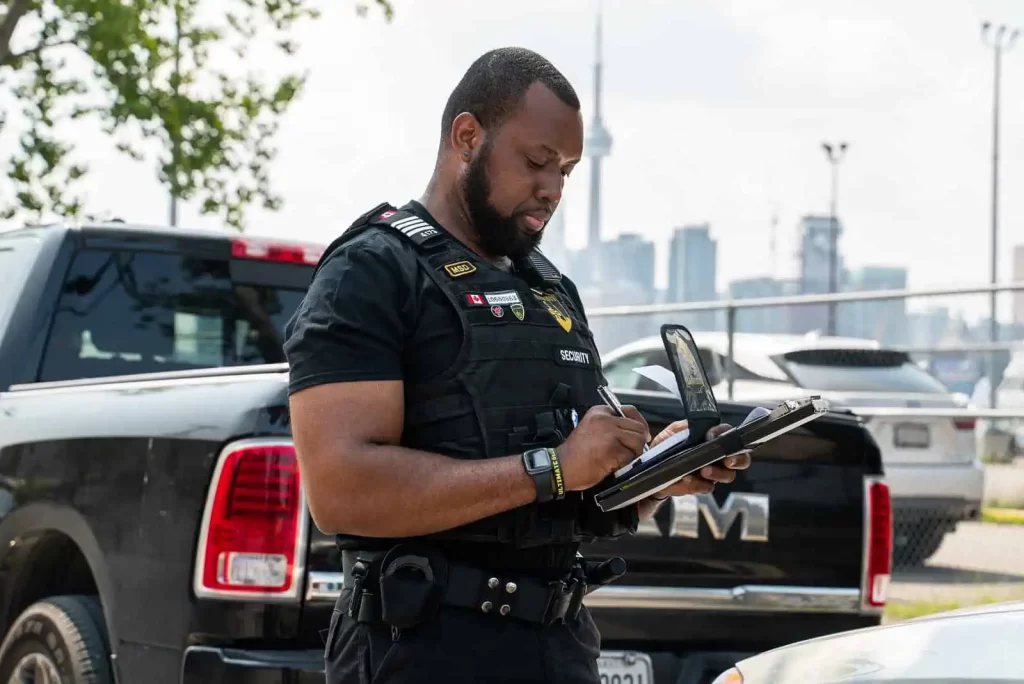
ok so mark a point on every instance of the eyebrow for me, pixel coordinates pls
(550, 151)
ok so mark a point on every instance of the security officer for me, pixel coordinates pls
(445, 411)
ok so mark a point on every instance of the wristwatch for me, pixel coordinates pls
(539, 465)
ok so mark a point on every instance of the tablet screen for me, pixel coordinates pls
(694, 386)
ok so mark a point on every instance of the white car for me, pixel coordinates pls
(971, 645)
(930, 463)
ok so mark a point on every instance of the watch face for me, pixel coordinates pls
(539, 459)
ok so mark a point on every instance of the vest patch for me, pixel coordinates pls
(518, 311)
(568, 356)
(503, 298)
(459, 268)
(497, 311)
(414, 226)
(474, 299)
(554, 307)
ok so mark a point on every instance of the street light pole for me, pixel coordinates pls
(835, 155)
(1000, 39)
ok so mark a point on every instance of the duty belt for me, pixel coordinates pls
(515, 595)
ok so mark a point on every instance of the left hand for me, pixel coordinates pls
(704, 481)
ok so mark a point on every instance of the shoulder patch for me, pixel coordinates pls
(408, 224)
(458, 269)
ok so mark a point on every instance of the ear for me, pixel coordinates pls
(467, 135)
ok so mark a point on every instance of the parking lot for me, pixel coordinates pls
(979, 563)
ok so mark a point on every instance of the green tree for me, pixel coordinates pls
(142, 71)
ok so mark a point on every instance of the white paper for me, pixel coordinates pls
(661, 375)
(680, 436)
(668, 442)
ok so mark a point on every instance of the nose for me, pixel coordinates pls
(549, 187)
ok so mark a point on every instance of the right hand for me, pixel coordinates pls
(601, 444)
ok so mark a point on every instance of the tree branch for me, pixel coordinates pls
(16, 57)
(15, 11)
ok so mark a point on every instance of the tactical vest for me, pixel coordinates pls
(527, 371)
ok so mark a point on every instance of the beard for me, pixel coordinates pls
(499, 235)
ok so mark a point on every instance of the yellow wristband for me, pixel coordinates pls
(556, 472)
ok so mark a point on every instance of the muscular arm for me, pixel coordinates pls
(359, 482)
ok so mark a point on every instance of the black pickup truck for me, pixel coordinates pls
(152, 520)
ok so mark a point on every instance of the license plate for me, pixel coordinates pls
(911, 436)
(625, 667)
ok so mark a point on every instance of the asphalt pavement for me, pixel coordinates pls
(979, 562)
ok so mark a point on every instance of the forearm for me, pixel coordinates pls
(391, 491)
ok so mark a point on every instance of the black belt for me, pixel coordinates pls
(502, 594)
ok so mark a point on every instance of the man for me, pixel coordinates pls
(445, 410)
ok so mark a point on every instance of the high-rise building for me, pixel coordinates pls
(774, 320)
(629, 257)
(883, 320)
(815, 256)
(1018, 275)
(692, 272)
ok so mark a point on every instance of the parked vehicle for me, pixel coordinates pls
(977, 644)
(153, 525)
(930, 463)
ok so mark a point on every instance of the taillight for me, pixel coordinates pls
(250, 248)
(877, 543)
(252, 541)
(964, 423)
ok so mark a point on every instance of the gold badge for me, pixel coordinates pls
(554, 307)
(459, 268)
(518, 311)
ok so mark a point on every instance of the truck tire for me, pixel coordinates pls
(59, 640)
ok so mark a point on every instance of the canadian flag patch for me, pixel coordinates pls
(475, 300)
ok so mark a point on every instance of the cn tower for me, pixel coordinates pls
(598, 145)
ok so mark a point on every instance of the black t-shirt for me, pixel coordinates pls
(373, 313)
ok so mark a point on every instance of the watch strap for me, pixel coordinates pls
(537, 463)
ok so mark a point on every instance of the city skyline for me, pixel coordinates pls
(718, 110)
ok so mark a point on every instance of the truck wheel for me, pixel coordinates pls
(57, 641)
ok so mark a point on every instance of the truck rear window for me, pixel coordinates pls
(859, 370)
(123, 312)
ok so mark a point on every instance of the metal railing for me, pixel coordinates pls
(731, 306)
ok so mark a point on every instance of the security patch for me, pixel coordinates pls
(503, 298)
(459, 268)
(568, 356)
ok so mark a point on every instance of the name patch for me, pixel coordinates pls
(574, 357)
(503, 298)
(459, 269)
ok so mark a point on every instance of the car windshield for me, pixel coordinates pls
(859, 370)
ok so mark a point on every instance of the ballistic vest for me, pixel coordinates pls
(528, 369)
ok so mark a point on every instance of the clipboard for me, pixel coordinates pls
(677, 457)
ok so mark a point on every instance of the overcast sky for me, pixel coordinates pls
(717, 109)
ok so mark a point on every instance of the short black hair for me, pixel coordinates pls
(496, 82)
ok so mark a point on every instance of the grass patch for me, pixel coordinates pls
(1007, 503)
(1003, 516)
(897, 611)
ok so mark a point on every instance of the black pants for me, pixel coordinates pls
(461, 646)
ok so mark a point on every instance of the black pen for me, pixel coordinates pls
(612, 402)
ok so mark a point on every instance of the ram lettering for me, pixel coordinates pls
(684, 513)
